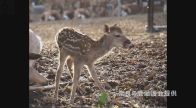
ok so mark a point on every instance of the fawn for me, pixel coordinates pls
(79, 50)
(35, 47)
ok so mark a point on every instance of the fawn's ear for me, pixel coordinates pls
(106, 28)
(115, 25)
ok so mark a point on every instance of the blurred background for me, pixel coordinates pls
(48, 10)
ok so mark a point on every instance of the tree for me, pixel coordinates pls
(150, 25)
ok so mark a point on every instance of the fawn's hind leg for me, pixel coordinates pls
(76, 75)
(70, 65)
(62, 59)
(70, 68)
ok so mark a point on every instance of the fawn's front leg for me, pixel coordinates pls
(58, 74)
(76, 75)
(94, 76)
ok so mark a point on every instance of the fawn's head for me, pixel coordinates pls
(116, 37)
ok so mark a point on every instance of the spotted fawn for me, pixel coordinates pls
(80, 50)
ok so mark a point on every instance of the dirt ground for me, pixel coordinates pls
(143, 68)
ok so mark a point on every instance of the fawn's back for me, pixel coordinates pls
(73, 42)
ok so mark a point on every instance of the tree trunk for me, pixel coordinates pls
(150, 15)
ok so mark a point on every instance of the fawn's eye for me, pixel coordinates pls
(117, 35)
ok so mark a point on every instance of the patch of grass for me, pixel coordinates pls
(103, 99)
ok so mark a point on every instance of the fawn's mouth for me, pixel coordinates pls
(128, 45)
(131, 46)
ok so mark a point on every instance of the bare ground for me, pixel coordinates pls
(143, 68)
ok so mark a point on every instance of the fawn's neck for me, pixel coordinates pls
(102, 47)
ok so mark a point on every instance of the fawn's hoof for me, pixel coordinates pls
(71, 101)
(80, 90)
(107, 86)
(55, 99)
(102, 88)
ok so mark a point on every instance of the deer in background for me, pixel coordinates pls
(53, 10)
(79, 50)
(35, 47)
(51, 15)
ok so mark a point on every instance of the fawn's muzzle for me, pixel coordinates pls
(131, 46)
(127, 44)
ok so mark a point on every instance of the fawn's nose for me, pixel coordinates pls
(131, 46)
(128, 44)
